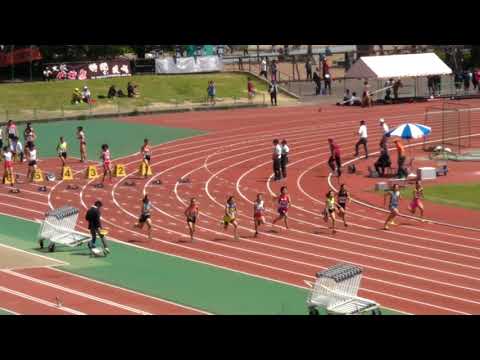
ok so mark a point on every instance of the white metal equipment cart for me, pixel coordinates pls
(335, 291)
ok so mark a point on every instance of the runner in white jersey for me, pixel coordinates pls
(32, 162)
(8, 157)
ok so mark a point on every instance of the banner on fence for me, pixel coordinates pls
(188, 65)
(90, 70)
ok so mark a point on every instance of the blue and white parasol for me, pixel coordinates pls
(410, 131)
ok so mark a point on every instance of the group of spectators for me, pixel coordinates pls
(467, 78)
(383, 162)
(132, 91)
(85, 96)
(12, 149)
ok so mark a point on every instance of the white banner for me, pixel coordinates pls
(188, 65)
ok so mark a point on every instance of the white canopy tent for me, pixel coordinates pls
(398, 66)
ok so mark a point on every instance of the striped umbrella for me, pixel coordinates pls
(411, 131)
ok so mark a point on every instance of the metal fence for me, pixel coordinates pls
(85, 111)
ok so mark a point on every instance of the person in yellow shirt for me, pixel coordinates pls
(62, 151)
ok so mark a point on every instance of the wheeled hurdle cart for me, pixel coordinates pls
(58, 228)
(335, 291)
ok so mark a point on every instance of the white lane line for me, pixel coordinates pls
(40, 301)
(77, 293)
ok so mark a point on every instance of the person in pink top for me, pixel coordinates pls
(106, 162)
(11, 130)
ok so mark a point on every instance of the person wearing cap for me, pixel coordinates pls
(86, 95)
(362, 131)
(93, 217)
(402, 173)
(385, 135)
(76, 96)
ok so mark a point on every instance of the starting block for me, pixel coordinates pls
(119, 171)
(157, 182)
(99, 186)
(184, 181)
(72, 187)
(129, 183)
(38, 176)
(8, 180)
(67, 174)
(15, 191)
(145, 170)
(42, 189)
(50, 176)
(92, 172)
(352, 169)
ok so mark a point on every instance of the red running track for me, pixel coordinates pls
(416, 268)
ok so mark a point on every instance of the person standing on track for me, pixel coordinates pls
(417, 202)
(93, 217)
(192, 213)
(284, 203)
(29, 137)
(145, 216)
(394, 200)
(230, 217)
(83, 144)
(277, 160)
(147, 154)
(106, 159)
(62, 151)
(258, 213)
(330, 209)
(8, 166)
(284, 158)
(32, 162)
(11, 129)
(362, 132)
(343, 198)
(385, 135)
(402, 172)
(335, 162)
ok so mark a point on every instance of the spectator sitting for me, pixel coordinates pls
(86, 95)
(383, 162)
(76, 96)
(350, 100)
(112, 92)
(132, 90)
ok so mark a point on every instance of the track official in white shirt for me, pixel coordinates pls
(277, 159)
(385, 136)
(363, 138)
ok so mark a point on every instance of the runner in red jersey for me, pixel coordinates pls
(335, 161)
(283, 205)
